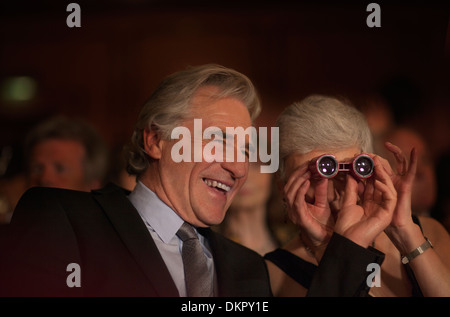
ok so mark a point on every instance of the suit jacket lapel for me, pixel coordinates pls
(225, 277)
(136, 237)
(240, 272)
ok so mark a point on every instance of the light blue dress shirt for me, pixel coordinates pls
(163, 223)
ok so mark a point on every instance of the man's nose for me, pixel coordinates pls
(237, 169)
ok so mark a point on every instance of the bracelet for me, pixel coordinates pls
(418, 251)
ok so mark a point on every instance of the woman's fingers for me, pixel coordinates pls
(381, 173)
(403, 168)
(386, 193)
(294, 193)
(351, 192)
(321, 193)
(294, 176)
(400, 159)
(369, 189)
(295, 181)
(299, 203)
(380, 189)
(411, 174)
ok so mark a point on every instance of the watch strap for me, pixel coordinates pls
(418, 251)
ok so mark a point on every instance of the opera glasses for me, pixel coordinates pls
(327, 166)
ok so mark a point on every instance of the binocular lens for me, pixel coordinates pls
(363, 166)
(327, 166)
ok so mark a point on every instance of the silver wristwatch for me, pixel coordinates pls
(416, 252)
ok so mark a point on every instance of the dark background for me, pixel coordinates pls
(105, 70)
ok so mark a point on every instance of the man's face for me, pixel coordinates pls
(191, 188)
(58, 163)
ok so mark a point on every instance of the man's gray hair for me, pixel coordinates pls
(321, 123)
(170, 104)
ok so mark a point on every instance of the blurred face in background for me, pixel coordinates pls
(58, 163)
(255, 191)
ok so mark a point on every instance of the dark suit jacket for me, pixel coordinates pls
(103, 233)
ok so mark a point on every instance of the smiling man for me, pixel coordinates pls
(129, 244)
(196, 191)
(210, 185)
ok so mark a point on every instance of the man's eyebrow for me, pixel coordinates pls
(230, 136)
(247, 144)
(214, 131)
(223, 133)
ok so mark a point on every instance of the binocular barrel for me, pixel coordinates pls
(327, 166)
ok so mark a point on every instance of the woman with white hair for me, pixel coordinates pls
(318, 203)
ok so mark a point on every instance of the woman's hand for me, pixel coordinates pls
(431, 269)
(403, 181)
(402, 231)
(363, 222)
(313, 218)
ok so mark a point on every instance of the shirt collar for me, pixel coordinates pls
(160, 217)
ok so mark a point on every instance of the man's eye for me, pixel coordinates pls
(214, 139)
(249, 149)
(246, 152)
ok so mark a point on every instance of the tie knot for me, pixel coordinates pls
(186, 232)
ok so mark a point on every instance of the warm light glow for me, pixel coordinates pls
(18, 89)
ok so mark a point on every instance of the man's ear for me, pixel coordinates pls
(152, 143)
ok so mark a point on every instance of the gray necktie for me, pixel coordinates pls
(198, 280)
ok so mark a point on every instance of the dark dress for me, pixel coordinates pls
(302, 271)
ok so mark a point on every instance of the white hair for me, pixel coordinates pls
(321, 123)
